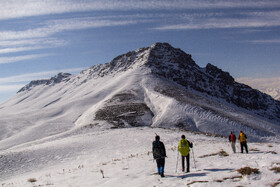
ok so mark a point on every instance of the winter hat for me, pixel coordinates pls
(157, 137)
(183, 137)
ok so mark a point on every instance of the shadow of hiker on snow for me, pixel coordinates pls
(185, 175)
(216, 170)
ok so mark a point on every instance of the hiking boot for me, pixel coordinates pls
(162, 175)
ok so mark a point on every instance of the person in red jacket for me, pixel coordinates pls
(232, 139)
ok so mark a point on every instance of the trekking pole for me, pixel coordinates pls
(193, 159)
(177, 160)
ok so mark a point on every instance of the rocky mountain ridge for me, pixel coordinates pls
(156, 86)
(176, 65)
(53, 80)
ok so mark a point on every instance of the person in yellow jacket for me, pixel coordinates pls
(184, 149)
(243, 143)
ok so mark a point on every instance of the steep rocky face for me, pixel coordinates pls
(126, 109)
(176, 65)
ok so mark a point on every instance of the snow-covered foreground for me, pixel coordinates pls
(125, 159)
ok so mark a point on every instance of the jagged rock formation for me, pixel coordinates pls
(54, 80)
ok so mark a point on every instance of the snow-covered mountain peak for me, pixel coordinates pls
(165, 61)
(164, 53)
(156, 86)
(158, 55)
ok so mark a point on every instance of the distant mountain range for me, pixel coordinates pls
(156, 86)
(270, 86)
(273, 92)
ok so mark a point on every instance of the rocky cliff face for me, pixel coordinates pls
(176, 65)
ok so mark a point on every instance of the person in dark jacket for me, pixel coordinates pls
(232, 139)
(159, 154)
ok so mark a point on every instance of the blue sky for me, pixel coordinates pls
(39, 39)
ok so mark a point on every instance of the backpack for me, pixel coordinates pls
(232, 138)
(158, 150)
(243, 137)
(184, 147)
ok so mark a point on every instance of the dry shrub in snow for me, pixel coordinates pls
(235, 178)
(197, 182)
(223, 153)
(254, 149)
(272, 152)
(102, 172)
(248, 171)
(32, 180)
(276, 169)
(212, 154)
(275, 184)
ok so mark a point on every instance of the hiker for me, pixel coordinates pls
(243, 143)
(184, 149)
(159, 154)
(232, 139)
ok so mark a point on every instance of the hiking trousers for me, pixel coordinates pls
(187, 164)
(233, 146)
(244, 145)
(160, 165)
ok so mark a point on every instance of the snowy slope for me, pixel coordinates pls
(124, 156)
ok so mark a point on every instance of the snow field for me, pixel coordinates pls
(124, 156)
